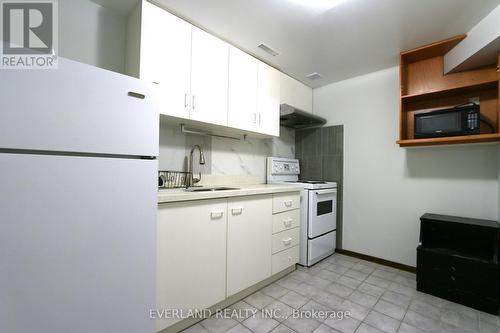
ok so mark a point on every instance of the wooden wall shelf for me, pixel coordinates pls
(488, 84)
(451, 140)
(425, 87)
(431, 50)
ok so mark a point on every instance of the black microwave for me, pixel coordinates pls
(460, 120)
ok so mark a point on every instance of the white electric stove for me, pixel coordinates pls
(318, 209)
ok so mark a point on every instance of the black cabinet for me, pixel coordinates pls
(458, 260)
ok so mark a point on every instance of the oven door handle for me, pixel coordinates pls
(323, 192)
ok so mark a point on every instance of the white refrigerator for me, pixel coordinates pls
(78, 182)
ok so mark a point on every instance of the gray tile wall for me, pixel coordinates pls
(321, 155)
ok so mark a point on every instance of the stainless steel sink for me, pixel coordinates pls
(210, 189)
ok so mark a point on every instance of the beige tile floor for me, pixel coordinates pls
(379, 298)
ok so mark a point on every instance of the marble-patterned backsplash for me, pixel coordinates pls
(224, 157)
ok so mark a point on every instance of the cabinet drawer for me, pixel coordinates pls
(285, 202)
(286, 220)
(285, 239)
(285, 259)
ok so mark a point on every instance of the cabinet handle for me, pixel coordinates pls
(237, 211)
(288, 203)
(216, 215)
(255, 118)
(260, 119)
(186, 100)
(287, 241)
(453, 268)
(193, 104)
(452, 278)
(136, 95)
(287, 222)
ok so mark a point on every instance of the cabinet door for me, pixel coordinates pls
(268, 100)
(248, 242)
(295, 93)
(191, 255)
(209, 78)
(304, 98)
(287, 89)
(166, 57)
(242, 110)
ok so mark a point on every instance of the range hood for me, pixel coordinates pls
(298, 119)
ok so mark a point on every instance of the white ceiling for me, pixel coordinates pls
(123, 7)
(353, 38)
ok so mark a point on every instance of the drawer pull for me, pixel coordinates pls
(237, 211)
(287, 223)
(288, 203)
(287, 241)
(136, 95)
(216, 215)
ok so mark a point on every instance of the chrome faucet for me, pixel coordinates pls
(192, 180)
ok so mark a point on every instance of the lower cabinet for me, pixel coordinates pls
(191, 256)
(285, 259)
(209, 250)
(286, 231)
(249, 230)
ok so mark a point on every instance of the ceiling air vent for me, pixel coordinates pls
(268, 49)
(314, 76)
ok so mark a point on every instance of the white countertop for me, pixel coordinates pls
(176, 195)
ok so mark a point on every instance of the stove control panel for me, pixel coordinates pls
(282, 166)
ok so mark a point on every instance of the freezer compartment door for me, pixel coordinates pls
(77, 244)
(321, 247)
(78, 108)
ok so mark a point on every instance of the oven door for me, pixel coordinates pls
(322, 213)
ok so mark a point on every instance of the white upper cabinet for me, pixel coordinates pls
(296, 93)
(202, 77)
(165, 57)
(209, 78)
(242, 112)
(268, 100)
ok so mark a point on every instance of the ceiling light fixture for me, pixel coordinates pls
(319, 4)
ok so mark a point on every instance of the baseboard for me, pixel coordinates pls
(380, 261)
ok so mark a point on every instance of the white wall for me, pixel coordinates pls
(387, 188)
(92, 34)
